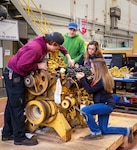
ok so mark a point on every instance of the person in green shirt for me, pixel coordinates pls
(74, 43)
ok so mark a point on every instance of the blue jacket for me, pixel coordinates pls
(99, 93)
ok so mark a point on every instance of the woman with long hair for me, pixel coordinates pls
(93, 51)
(101, 87)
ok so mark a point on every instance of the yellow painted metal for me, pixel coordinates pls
(38, 111)
(62, 127)
(37, 82)
(41, 109)
(35, 112)
(68, 102)
(128, 52)
(36, 15)
(30, 126)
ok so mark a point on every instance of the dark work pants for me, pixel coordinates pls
(14, 118)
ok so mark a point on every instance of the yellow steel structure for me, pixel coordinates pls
(41, 108)
(36, 15)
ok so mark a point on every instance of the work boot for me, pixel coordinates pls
(27, 142)
(93, 137)
(7, 138)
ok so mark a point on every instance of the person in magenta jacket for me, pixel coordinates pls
(30, 56)
(27, 59)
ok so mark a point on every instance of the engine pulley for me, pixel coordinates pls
(68, 102)
(37, 83)
(29, 81)
(38, 111)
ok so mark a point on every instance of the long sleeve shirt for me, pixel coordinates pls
(27, 57)
(99, 93)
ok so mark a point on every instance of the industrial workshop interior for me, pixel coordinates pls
(61, 125)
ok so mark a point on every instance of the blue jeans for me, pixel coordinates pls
(103, 111)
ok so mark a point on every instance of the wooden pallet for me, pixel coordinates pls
(50, 140)
(109, 142)
(126, 109)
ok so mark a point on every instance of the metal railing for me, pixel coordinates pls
(36, 15)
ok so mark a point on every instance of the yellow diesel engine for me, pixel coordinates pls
(54, 97)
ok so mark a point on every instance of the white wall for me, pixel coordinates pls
(93, 9)
(97, 12)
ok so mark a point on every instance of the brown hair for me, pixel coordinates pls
(102, 72)
(98, 52)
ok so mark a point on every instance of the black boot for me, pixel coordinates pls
(27, 142)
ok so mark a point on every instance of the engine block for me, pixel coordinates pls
(42, 109)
